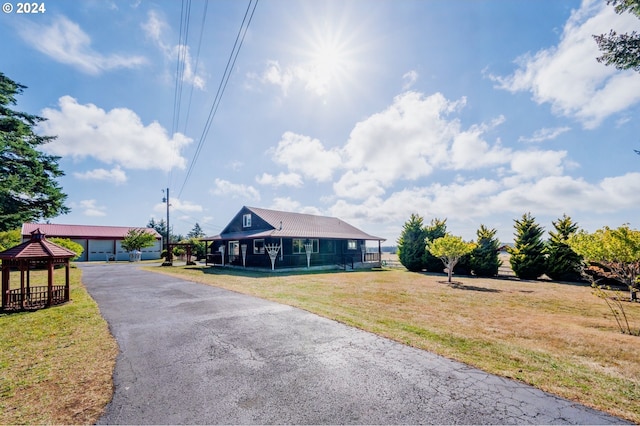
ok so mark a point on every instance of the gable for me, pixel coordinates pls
(237, 224)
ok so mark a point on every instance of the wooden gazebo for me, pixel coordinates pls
(35, 253)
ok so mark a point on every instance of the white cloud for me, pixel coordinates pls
(531, 164)
(154, 28)
(466, 201)
(409, 79)
(91, 208)
(115, 175)
(179, 206)
(234, 190)
(281, 179)
(306, 156)
(409, 140)
(288, 205)
(114, 137)
(545, 134)
(568, 77)
(65, 42)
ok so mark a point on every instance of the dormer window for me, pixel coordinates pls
(246, 220)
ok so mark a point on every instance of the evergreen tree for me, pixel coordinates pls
(436, 229)
(563, 264)
(485, 261)
(411, 244)
(159, 226)
(28, 188)
(621, 50)
(196, 232)
(528, 255)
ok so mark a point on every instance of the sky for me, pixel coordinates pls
(473, 111)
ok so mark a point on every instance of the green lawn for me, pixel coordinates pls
(57, 363)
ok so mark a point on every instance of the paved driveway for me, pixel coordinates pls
(195, 354)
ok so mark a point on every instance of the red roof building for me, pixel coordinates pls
(100, 243)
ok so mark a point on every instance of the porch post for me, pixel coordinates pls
(379, 253)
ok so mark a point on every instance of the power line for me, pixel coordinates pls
(183, 37)
(195, 67)
(244, 26)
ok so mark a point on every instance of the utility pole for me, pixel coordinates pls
(169, 260)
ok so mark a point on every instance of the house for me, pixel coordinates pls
(99, 242)
(263, 238)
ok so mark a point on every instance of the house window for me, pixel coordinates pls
(298, 245)
(352, 245)
(258, 246)
(246, 220)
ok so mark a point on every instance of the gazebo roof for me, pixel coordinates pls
(37, 248)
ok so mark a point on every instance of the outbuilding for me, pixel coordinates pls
(272, 239)
(100, 243)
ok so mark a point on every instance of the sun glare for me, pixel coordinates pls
(329, 64)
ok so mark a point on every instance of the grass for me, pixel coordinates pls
(57, 363)
(557, 337)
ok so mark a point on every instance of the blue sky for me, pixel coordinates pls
(474, 111)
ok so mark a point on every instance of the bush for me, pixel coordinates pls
(70, 245)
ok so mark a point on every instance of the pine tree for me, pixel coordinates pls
(28, 187)
(436, 229)
(563, 264)
(485, 261)
(411, 244)
(528, 254)
(196, 232)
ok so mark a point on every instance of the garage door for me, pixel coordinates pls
(99, 249)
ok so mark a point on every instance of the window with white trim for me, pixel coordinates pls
(352, 245)
(298, 245)
(258, 246)
(246, 220)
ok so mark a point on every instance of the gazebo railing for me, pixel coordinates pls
(35, 297)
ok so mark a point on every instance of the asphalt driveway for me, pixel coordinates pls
(196, 354)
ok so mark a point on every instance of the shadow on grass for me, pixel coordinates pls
(461, 286)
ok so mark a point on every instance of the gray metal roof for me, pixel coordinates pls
(298, 225)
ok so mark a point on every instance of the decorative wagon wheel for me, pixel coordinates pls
(272, 250)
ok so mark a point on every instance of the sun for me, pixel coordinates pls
(328, 65)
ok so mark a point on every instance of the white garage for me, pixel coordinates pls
(100, 243)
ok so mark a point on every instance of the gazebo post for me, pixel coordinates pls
(22, 292)
(67, 294)
(50, 282)
(28, 279)
(5, 283)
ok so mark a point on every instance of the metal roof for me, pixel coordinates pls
(298, 225)
(82, 231)
(38, 247)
